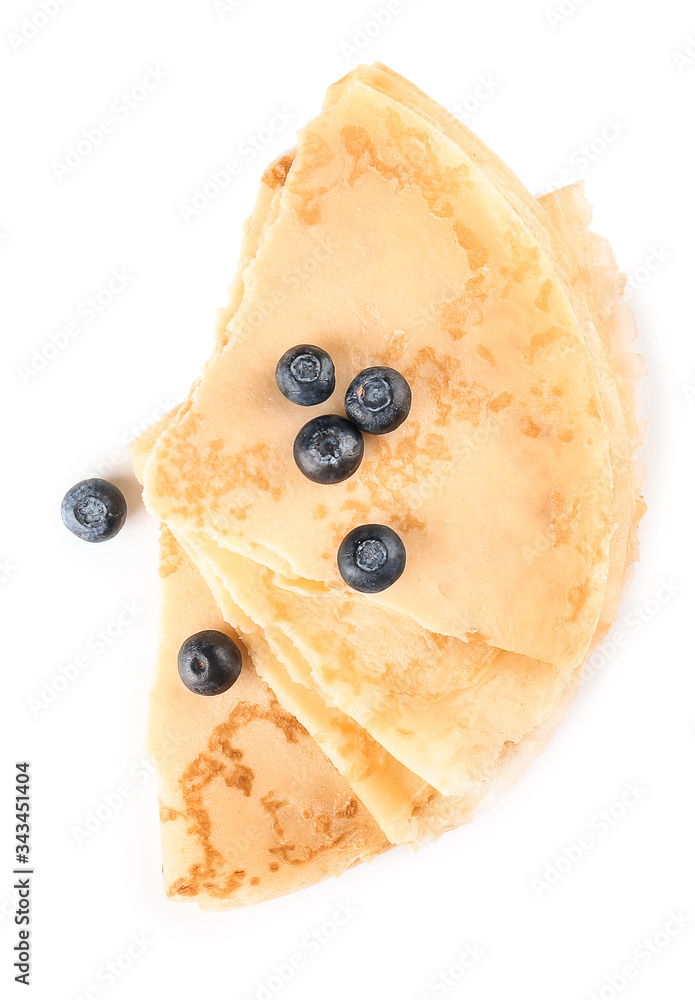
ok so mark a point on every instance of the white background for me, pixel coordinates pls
(537, 81)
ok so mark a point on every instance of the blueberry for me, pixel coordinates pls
(94, 510)
(305, 375)
(328, 449)
(378, 400)
(209, 662)
(371, 558)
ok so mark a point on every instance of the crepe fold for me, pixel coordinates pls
(391, 236)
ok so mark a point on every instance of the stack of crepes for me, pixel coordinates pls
(390, 236)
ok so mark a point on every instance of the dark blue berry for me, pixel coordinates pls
(371, 558)
(305, 375)
(209, 662)
(94, 510)
(328, 449)
(378, 400)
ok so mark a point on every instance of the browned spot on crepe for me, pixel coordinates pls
(223, 760)
(170, 554)
(538, 342)
(499, 402)
(478, 253)
(526, 263)
(460, 314)
(407, 521)
(577, 598)
(272, 806)
(529, 427)
(564, 511)
(542, 302)
(309, 194)
(440, 379)
(348, 810)
(476, 635)
(218, 489)
(409, 161)
(486, 354)
(276, 174)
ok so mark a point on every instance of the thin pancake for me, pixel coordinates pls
(591, 266)
(250, 807)
(538, 419)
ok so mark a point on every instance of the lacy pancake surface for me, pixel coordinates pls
(406, 808)
(420, 264)
(443, 708)
(462, 713)
(499, 696)
(250, 807)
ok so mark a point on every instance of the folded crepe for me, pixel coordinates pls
(250, 806)
(392, 236)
